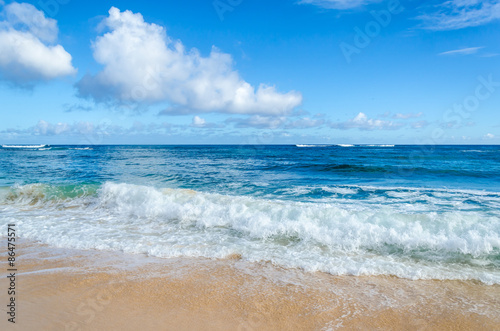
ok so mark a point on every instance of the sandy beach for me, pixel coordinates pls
(64, 289)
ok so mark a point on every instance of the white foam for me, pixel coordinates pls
(313, 145)
(356, 237)
(23, 146)
(345, 145)
(474, 151)
(340, 189)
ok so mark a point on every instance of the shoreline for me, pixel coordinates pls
(68, 289)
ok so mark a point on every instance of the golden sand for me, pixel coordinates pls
(61, 289)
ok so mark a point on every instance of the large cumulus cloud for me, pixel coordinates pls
(28, 49)
(143, 65)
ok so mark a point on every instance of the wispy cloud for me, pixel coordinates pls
(86, 128)
(490, 55)
(401, 116)
(420, 124)
(362, 122)
(276, 122)
(447, 15)
(338, 4)
(304, 123)
(76, 107)
(459, 14)
(462, 51)
(258, 121)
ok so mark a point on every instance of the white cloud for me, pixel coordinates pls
(143, 65)
(339, 4)
(26, 16)
(86, 130)
(46, 129)
(407, 116)
(420, 124)
(275, 122)
(27, 50)
(304, 123)
(258, 121)
(198, 122)
(489, 136)
(458, 14)
(462, 51)
(362, 122)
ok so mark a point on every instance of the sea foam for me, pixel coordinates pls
(332, 235)
(24, 146)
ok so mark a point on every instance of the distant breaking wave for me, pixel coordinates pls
(339, 145)
(23, 146)
(345, 145)
(46, 147)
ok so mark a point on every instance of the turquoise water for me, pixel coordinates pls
(419, 212)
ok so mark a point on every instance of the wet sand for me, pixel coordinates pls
(64, 289)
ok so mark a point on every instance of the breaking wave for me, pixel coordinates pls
(391, 231)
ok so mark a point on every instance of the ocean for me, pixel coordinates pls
(415, 212)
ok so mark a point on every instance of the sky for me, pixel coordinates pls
(250, 72)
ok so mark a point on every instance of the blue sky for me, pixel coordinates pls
(247, 72)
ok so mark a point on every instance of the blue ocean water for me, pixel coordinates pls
(419, 212)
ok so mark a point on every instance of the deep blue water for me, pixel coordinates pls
(256, 170)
